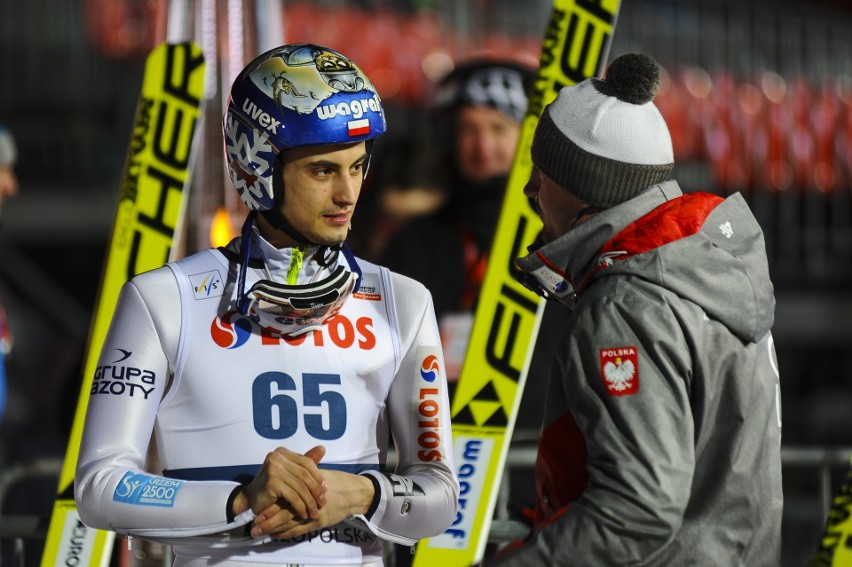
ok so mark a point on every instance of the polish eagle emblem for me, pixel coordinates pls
(619, 374)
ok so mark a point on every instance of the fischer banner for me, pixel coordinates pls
(151, 201)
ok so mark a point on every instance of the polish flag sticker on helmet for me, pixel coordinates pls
(359, 127)
(620, 370)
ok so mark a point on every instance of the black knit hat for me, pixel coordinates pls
(605, 140)
(499, 84)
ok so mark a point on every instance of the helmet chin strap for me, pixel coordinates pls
(279, 222)
(326, 254)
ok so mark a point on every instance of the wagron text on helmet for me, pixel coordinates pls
(294, 95)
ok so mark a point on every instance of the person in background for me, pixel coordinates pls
(8, 159)
(8, 188)
(661, 435)
(479, 107)
(402, 186)
(273, 372)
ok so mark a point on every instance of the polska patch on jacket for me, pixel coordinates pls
(620, 370)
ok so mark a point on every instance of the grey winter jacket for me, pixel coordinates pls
(662, 431)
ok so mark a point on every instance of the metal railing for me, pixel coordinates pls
(20, 528)
(822, 460)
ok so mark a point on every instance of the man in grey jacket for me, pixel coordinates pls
(661, 437)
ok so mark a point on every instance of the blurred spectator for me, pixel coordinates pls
(400, 187)
(479, 108)
(8, 158)
(8, 188)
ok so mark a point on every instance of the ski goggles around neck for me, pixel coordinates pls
(291, 308)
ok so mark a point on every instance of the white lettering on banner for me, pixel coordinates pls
(609, 353)
(471, 455)
(77, 542)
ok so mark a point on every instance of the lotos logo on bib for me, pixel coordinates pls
(231, 331)
(620, 370)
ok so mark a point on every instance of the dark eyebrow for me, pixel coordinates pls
(333, 164)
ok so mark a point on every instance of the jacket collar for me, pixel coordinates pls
(559, 267)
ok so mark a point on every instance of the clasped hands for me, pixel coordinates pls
(291, 496)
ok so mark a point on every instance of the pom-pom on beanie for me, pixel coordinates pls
(605, 140)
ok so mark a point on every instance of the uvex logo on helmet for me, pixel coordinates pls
(261, 117)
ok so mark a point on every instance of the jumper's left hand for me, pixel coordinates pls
(346, 495)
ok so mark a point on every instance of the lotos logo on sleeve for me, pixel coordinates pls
(620, 370)
(430, 417)
(429, 368)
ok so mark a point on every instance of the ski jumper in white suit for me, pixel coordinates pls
(218, 393)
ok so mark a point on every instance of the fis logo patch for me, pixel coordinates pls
(207, 285)
(620, 370)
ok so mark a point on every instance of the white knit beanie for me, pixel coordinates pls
(605, 140)
(8, 150)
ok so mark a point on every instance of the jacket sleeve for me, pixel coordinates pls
(639, 438)
(420, 498)
(113, 489)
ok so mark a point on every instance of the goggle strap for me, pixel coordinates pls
(243, 301)
(353, 266)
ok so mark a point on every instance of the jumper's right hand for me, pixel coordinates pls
(286, 477)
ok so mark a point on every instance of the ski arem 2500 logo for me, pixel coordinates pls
(232, 330)
(146, 490)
